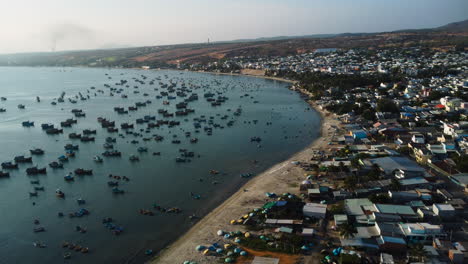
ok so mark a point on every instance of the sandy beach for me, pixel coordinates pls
(282, 177)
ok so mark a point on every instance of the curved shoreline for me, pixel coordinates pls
(280, 178)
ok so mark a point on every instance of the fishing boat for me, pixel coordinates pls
(108, 145)
(28, 123)
(59, 193)
(116, 190)
(39, 229)
(22, 159)
(89, 132)
(74, 136)
(56, 165)
(39, 244)
(134, 158)
(70, 153)
(9, 165)
(195, 196)
(37, 151)
(113, 183)
(21, 106)
(63, 158)
(80, 201)
(97, 159)
(142, 149)
(4, 174)
(69, 177)
(35, 170)
(80, 171)
(112, 153)
(246, 175)
(47, 126)
(87, 139)
(39, 188)
(71, 147)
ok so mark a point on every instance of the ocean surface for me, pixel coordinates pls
(279, 117)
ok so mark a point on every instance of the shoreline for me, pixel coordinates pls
(279, 178)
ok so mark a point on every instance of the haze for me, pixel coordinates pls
(55, 25)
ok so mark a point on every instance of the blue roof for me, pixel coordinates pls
(388, 239)
(281, 203)
(417, 180)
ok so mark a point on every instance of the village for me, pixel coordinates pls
(390, 183)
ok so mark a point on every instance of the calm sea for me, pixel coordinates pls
(270, 111)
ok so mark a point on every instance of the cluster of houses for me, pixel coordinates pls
(409, 61)
(389, 181)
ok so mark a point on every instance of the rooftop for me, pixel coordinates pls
(390, 164)
(353, 206)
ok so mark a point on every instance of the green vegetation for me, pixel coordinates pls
(387, 105)
(288, 243)
(417, 252)
(346, 230)
(381, 198)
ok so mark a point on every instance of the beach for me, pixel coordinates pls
(280, 178)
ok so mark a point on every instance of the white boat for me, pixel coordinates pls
(97, 159)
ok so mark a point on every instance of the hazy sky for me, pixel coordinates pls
(44, 25)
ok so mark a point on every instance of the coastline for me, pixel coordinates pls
(279, 178)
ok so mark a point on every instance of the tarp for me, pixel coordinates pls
(269, 205)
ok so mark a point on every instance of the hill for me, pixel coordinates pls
(450, 35)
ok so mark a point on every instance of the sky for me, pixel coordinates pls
(57, 25)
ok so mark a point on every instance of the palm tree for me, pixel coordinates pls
(395, 185)
(418, 252)
(350, 183)
(347, 230)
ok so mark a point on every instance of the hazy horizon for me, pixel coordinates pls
(58, 25)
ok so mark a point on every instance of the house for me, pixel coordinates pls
(340, 219)
(386, 258)
(443, 210)
(353, 207)
(308, 232)
(315, 210)
(399, 167)
(403, 196)
(403, 211)
(461, 179)
(265, 260)
(358, 134)
(426, 213)
(419, 182)
(391, 244)
(421, 232)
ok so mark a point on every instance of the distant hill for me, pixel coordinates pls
(455, 27)
(170, 55)
(277, 38)
(461, 26)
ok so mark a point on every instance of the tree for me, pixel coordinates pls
(346, 230)
(462, 162)
(380, 198)
(350, 183)
(418, 252)
(368, 115)
(395, 185)
(387, 105)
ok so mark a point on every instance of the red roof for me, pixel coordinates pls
(440, 106)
